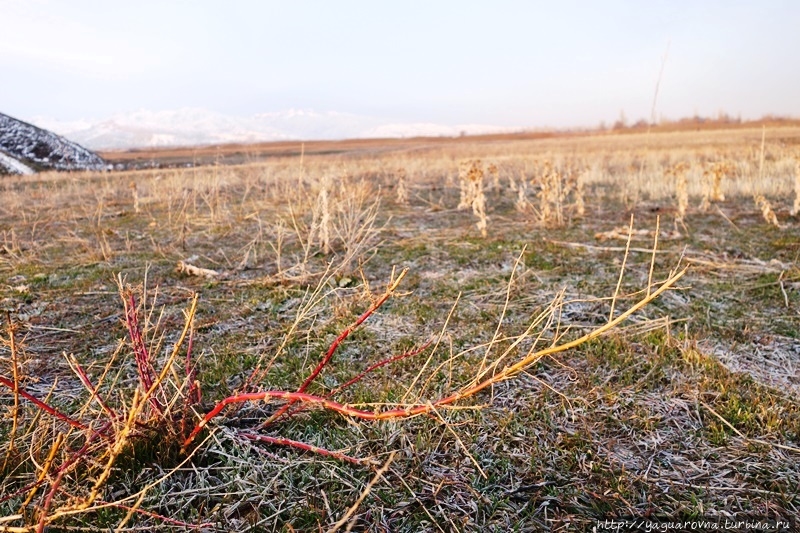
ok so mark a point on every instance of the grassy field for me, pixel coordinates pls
(514, 247)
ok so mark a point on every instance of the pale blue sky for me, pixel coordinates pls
(507, 63)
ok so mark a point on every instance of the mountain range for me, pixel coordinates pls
(194, 126)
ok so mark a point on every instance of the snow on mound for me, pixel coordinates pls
(9, 165)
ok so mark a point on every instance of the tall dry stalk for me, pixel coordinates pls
(401, 187)
(766, 210)
(550, 182)
(796, 205)
(494, 172)
(712, 183)
(678, 173)
(321, 217)
(470, 179)
(580, 204)
(135, 195)
(522, 204)
(556, 187)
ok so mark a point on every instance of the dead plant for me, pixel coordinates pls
(796, 205)
(713, 175)
(678, 173)
(470, 179)
(766, 210)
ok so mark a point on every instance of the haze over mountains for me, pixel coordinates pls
(194, 126)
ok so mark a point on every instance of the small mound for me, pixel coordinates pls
(24, 148)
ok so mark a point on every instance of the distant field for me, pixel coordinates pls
(513, 246)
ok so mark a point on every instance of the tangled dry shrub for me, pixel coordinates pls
(68, 464)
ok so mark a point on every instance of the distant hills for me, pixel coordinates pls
(196, 127)
(25, 149)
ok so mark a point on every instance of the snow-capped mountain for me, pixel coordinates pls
(25, 148)
(192, 126)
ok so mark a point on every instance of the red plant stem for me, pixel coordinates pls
(376, 366)
(191, 372)
(360, 376)
(88, 384)
(329, 354)
(333, 406)
(140, 351)
(418, 409)
(342, 336)
(155, 515)
(193, 394)
(63, 470)
(43, 406)
(280, 441)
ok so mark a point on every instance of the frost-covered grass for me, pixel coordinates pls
(687, 409)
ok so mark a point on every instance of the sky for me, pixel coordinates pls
(502, 62)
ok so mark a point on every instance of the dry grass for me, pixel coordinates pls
(689, 408)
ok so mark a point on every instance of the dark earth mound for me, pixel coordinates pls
(28, 148)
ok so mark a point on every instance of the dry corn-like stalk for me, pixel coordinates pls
(550, 182)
